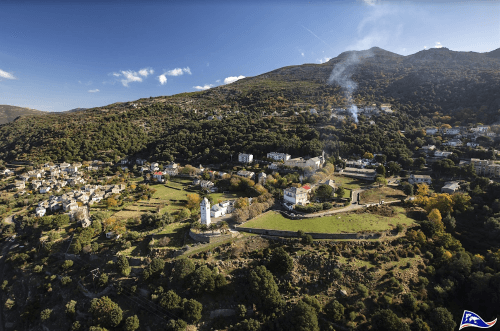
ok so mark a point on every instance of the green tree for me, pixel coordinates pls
(202, 280)
(247, 325)
(281, 261)
(340, 192)
(324, 192)
(192, 310)
(176, 325)
(442, 319)
(265, 289)
(387, 320)
(381, 170)
(335, 310)
(132, 323)
(182, 268)
(106, 312)
(304, 317)
(170, 300)
(419, 325)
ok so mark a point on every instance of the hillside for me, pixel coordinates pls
(430, 87)
(10, 113)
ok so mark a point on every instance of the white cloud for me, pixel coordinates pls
(232, 79)
(425, 47)
(217, 81)
(370, 2)
(162, 79)
(178, 72)
(438, 45)
(302, 54)
(325, 59)
(94, 91)
(6, 75)
(146, 71)
(204, 87)
(116, 74)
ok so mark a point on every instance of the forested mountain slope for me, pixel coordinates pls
(430, 87)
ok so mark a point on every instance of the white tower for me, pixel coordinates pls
(205, 211)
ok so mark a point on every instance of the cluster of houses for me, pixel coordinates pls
(50, 178)
(74, 201)
(217, 210)
(456, 134)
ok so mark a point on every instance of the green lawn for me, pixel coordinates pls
(350, 183)
(227, 196)
(339, 223)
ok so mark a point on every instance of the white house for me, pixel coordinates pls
(40, 211)
(222, 209)
(205, 211)
(261, 178)
(245, 158)
(278, 156)
(45, 189)
(453, 142)
(473, 145)
(431, 131)
(452, 131)
(206, 184)
(154, 166)
(158, 176)
(295, 195)
(450, 187)
(428, 148)
(442, 154)
(246, 174)
(172, 169)
(417, 179)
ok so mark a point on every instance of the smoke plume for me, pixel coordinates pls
(342, 75)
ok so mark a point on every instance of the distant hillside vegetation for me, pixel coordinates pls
(10, 113)
(271, 112)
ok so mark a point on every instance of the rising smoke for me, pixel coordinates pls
(342, 75)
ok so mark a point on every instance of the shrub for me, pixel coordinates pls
(75, 326)
(307, 239)
(67, 264)
(66, 280)
(132, 323)
(71, 307)
(106, 312)
(192, 310)
(362, 290)
(335, 310)
(45, 314)
(9, 304)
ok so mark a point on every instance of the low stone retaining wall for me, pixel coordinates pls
(282, 233)
(209, 238)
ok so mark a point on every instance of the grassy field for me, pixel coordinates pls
(383, 193)
(350, 183)
(339, 223)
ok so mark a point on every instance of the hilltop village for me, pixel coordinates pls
(170, 237)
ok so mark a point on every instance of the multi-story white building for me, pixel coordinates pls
(205, 211)
(295, 195)
(172, 169)
(222, 209)
(486, 167)
(431, 131)
(417, 179)
(245, 158)
(278, 156)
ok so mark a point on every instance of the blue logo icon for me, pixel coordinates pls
(473, 320)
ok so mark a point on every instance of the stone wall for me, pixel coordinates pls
(283, 233)
(209, 238)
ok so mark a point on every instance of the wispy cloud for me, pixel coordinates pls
(232, 79)
(204, 87)
(94, 91)
(370, 2)
(379, 27)
(217, 81)
(302, 53)
(6, 75)
(130, 76)
(438, 45)
(162, 79)
(178, 72)
(323, 60)
(146, 72)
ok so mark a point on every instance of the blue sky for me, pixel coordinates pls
(60, 55)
